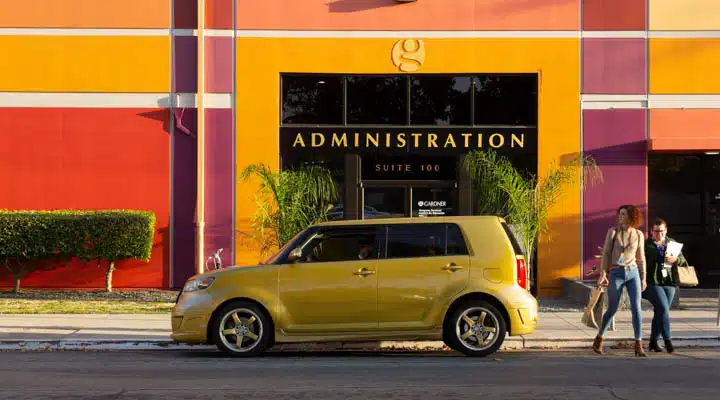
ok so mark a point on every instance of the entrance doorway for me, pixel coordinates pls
(397, 199)
(684, 190)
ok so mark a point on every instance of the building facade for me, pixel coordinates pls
(160, 104)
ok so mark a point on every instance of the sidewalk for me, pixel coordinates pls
(556, 329)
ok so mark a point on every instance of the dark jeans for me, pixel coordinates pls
(620, 278)
(661, 298)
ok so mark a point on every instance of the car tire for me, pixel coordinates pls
(245, 321)
(479, 339)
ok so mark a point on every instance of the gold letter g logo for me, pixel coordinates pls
(408, 54)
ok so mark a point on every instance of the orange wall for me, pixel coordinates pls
(684, 129)
(421, 15)
(258, 97)
(684, 66)
(56, 158)
(85, 13)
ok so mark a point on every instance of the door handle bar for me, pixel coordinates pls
(452, 267)
(363, 272)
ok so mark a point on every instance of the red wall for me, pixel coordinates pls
(89, 158)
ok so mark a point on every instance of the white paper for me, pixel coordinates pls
(673, 249)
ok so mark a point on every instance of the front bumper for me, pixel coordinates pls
(190, 317)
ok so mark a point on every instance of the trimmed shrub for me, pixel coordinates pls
(31, 240)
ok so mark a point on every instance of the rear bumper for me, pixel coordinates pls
(522, 310)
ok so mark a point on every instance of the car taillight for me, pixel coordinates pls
(521, 273)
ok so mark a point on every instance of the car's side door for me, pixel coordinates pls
(424, 263)
(333, 286)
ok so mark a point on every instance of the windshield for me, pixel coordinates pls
(285, 248)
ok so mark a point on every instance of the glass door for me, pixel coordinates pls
(404, 199)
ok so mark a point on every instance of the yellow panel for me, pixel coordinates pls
(678, 15)
(85, 64)
(260, 61)
(684, 66)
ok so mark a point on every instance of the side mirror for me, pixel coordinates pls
(296, 254)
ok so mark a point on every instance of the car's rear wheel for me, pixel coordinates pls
(242, 329)
(475, 328)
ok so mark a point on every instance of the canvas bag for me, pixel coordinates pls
(592, 316)
(686, 276)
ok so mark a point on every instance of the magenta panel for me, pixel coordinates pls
(219, 183)
(614, 66)
(185, 55)
(617, 141)
(218, 59)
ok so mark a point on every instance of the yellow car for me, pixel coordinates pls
(459, 279)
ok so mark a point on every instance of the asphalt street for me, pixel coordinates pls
(688, 374)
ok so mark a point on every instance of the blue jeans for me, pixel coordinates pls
(624, 277)
(661, 298)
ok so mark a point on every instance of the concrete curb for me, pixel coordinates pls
(383, 346)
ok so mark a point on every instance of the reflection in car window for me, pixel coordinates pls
(341, 245)
(455, 242)
(416, 240)
(425, 240)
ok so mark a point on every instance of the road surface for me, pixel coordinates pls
(123, 375)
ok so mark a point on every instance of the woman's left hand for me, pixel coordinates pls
(644, 285)
(670, 260)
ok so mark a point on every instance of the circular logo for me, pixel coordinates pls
(420, 203)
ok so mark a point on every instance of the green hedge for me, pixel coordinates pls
(31, 240)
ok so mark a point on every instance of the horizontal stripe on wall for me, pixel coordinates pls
(85, 13)
(113, 100)
(224, 100)
(356, 34)
(85, 64)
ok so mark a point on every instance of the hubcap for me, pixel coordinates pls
(241, 330)
(477, 328)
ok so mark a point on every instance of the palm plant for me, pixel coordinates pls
(288, 202)
(524, 200)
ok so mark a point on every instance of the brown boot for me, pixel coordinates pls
(598, 345)
(639, 351)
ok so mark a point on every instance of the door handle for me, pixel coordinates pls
(363, 272)
(452, 267)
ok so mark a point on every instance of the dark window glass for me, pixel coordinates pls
(506, 100)
(384, 203)
(377, 100)
(416, 240)
(455, 241)
(440, 100)
(312, 99)
(342, 244)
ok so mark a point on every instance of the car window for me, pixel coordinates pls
(416, 240)
(425, 240)
(455, 241)
(341, 244)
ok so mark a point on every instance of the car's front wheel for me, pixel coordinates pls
(476, 328)
(242, 329)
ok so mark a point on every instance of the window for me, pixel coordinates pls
(424, 240)
(377, 100)
(342, 244)
(440, 100)
(508, 99)
(312, 99)
(455, 241)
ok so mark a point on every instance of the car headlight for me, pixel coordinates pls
(198, 284)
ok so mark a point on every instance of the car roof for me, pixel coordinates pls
(414, 220)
